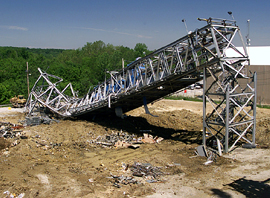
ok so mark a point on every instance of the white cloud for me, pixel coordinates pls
(17, 28)
(14, 28)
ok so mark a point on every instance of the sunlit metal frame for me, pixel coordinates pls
(233, 116)
(45, 93)
(201, 50)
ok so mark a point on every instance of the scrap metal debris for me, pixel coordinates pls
(9, 130)
(125, 140)
(119, 139)
(144, 171)
(201, 151)
(122, 180)
(8, 194)
(206, 152)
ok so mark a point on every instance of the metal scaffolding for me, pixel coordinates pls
(200, 54)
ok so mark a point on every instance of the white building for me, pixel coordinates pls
(259, 55)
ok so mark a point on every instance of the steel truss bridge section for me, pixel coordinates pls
(163, 72)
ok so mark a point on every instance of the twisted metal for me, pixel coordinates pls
(165, 71)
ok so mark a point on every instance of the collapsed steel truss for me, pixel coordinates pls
(165, 71)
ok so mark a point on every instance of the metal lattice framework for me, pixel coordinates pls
(233, 116)
(232, 96)
(165, 71)
(46, 93)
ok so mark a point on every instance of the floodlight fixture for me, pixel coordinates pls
(231, 14)
(184, 21)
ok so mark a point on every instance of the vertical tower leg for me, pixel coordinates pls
(204, 107)
(254, 108)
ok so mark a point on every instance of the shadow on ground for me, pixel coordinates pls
(249, 188)
(140, 125)
(220, 193)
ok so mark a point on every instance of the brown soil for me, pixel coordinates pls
(58, 160)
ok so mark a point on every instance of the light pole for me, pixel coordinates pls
(230, 13)
(247, 37)
(184, 21)
(27, 78)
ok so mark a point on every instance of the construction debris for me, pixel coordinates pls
(124, 140)
(37, 120)
(122, 180)
(204, 152)
(9, 130)
(208, 162)
(8, 194)
(145, 171)
(149, 139)
(120, 139)
(201, 151)
(125, 145)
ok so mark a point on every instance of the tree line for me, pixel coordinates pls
(83, 67)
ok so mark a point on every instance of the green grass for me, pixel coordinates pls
(200, 100)
(263, 106)
(184, 98)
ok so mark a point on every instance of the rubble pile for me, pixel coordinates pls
(123, 180)
(113, 138)
(123, 139)
(145, 171)
(37, 120)
(9, 130)
(8, 194)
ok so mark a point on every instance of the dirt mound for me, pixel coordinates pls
(4, 143)
(182, 119)
(60, 160)
(263, 133)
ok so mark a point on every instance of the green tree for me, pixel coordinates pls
(5, 95)
(140, 50)
(83, 67)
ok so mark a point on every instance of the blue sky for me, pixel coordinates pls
(70, 24)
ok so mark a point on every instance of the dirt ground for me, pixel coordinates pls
(63, 160)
